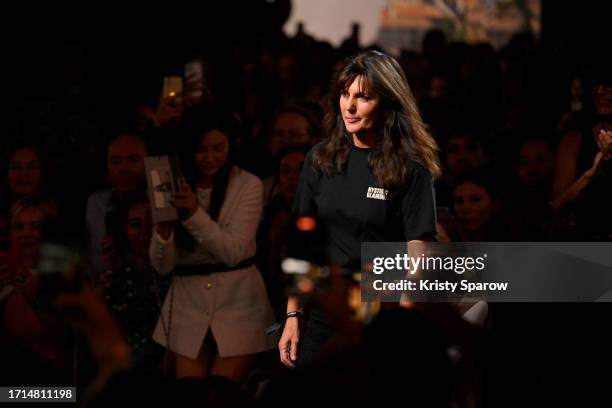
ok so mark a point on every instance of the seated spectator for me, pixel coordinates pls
(38, 344)
(462, 152)
(584, 166)
(277, 215)
(535, 168)
(531, 201)
(478, 207)
(23, 175)
(125, 169)
(289, 125)
(437, 106)
(132, 289)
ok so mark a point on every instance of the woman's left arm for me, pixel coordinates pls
(235, 241)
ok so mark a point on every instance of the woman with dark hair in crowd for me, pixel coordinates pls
(535, 169)
(370, 180)
(131, 288)
(462, 152)
(216, 310)
(276, 219)
(478, 207)
(23, 175)
(584, 166)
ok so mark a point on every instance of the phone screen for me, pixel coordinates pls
(58, 270)
(194, 80)
(173, 89)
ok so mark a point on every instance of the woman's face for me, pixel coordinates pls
(26, 230)
(463, 153)
(536, 166)
(473, 206)
(25, 172)
(139, 229)
(602, 96)
(360, 110)
(289, 173)
(211, 153)
(289, 128)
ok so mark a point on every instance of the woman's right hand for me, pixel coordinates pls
(604, 141)
(169, 110)
(288, 344)
(596, 162)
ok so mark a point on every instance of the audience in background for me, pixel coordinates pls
(505, 180)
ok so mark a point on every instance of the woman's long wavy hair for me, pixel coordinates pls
(402, 136)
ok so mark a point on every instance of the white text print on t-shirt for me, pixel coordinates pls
(377, 193)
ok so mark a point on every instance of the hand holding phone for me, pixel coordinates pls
(60, 270)
(194, 82)
(173, 90)
(170, 105)
(185, 200)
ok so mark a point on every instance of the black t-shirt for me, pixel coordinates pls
(354, 209)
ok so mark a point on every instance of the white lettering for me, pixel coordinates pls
(377, 193)
(483, 286)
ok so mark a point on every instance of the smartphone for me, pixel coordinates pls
(60, 266)
(194, 81)
(173, 89)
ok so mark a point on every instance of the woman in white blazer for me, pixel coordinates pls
(215, 314)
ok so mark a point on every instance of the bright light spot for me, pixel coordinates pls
(306, 223)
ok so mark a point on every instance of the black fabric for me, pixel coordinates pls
(207, 269)
(352, 211)
(315, 331)
(593, 217)
(133, 296)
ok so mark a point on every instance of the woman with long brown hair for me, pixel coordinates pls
(371, 179)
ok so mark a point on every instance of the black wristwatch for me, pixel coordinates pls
(294, 313)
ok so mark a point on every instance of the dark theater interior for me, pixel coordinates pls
(186, 190)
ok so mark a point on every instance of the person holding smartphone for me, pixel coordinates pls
(216, 311)
(36, 343)
(370, 180)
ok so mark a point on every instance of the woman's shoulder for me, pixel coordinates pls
(243, 178)
(572, 139)
(308, 162)
(416, 169)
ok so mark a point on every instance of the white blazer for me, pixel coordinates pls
(234, 305)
